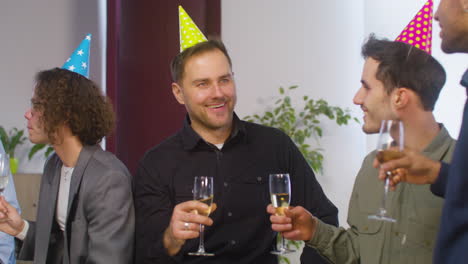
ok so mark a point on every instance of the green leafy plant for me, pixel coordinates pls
(302, 124)
(11, 140)
(38, 147)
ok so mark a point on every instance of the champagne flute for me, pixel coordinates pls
(4, 171)
(389, 147)
(203, 192)
(280, 193)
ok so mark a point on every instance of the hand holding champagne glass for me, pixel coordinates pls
(280, 193)
(203, 192)
(389, 146)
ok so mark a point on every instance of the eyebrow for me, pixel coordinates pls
(227, 75)
(365, 84)
(200, 80)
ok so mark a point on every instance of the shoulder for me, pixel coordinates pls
(367, 170)
(261, 131)
(369, 158)
(161, 155)
(106, 163)
(171, 145)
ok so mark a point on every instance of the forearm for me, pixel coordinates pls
(7, 247)
(336, 244)
(28, 244)
(153, 210)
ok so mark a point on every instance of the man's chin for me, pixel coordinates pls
(369, 130)
(450, 47)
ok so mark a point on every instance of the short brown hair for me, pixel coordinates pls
(178, 63)
(68, 98)
(402, 65)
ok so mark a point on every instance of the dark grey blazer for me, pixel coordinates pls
(100, 221)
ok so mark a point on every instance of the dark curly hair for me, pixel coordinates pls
(68, 98)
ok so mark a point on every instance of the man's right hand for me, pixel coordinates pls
(10, 220)
(412, 167)
(185, 224)
(296, 224)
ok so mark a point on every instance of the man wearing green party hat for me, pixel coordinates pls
(238, 155)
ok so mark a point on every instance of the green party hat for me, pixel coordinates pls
(190, 34)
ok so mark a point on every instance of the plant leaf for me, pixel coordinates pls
(35, 149)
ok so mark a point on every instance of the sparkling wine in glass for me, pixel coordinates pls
(389, 146)
(203, 192)
(4, 171)
(280, 193)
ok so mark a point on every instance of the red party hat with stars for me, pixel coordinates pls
(418, 32)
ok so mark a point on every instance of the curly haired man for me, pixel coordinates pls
(85, 212)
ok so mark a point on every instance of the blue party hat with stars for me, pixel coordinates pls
(79, 59)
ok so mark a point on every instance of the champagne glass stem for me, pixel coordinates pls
(283, 243)
(384, 196)
(201, 246)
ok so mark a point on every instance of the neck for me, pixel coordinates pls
(213, 136)
(420, 130)
(69, 150)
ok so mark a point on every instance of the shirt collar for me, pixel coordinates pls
(437, 141)
(191, 139)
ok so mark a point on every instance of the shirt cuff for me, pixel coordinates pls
(23, 232)
(323, 234)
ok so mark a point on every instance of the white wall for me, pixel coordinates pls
(39, 35)
(387, 19)
(316, 45)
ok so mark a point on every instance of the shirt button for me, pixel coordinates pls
(225, 184)
(259, 178)
(229, 214)
(233, 242)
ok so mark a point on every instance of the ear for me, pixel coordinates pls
(400, 97)
(178, 93)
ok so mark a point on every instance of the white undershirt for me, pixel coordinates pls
(62, 202)
(219, 146)
(62, 199)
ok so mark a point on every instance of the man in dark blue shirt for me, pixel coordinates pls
(448, 181)
(238, 155)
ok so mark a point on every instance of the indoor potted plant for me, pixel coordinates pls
(10, 141)
(301, 125)
(38, 147)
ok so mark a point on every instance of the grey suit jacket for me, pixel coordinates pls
(100, 220)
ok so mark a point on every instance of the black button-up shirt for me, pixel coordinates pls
(241, 232)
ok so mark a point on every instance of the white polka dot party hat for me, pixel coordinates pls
(190, 35)
(79, 60)
(418, 32)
